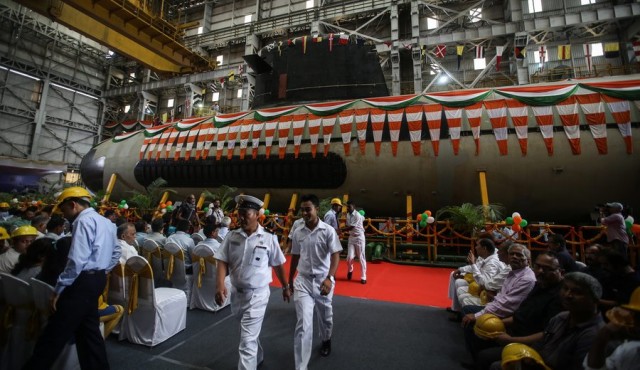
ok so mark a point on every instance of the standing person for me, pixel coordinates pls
(315, 254)
(356, 241)
(217, 211)
(94, 251)
(187, 210)
(55, 228)
(249, 253)
(616, 229)
(331, 217)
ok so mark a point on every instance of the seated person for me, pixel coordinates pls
(483, 269)
(211, 241)
(157, 229)
(141, 232)
(492, 286)
(224, 228)
(30, 263)
(534, 313)
(21, 238)
(40, 223)
(558, 245)
(184, 241)
(623, 328)
(126, 236)
(55, 227)
(570, 334)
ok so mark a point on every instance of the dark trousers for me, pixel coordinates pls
(473, 343)
(76, 315)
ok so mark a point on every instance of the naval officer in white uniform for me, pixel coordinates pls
(315, 253)
(249, 253)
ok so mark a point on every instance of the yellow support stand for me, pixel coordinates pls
(200, 201)
(267, 199)
(110, 186)
(484, 193)
(409, 215)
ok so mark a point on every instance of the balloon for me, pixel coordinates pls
(422, 224)
(163, 211)
(629, 218)
(628, 224)
(14, 200)
(163, 206)
(262, 217)
(515, 214)
(34, 202)
(261, 212)
(517, 220)
(120, 206)
(206, 209)
(126, 206)
(361, 212)
(267, 212)
(509, 221)
(524, 223)
(170, 208)
(636, 228)
(123, 201)
(428, 213)
(419, 217)
(169, 203)
(431, 220)
(423, 217)
(516, 228)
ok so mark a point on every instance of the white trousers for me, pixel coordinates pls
(454, 284)
(307, 297)
(249, 306)
(356, 246)
(466, 299)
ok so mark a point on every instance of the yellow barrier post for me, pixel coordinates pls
(409, 216)
(267, 199)
(290, 215)
(201, 201)
(484, 194)
(110, 186)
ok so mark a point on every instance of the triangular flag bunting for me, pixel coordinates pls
(328, 124)
(232, 136)
(394, 120)
(433, 112)
(314, 131)
(222, 138)
(245, 133)
(544, 119)
(284, 126)
(620, 111)
(568, 113)
(269, 133)
(299, 121)
(497, 112)
(377, 124)
(346, 127)
(454, 121)
(362, 118)
(414, 114)
(474, 117)
(593, 110)
(519, 118)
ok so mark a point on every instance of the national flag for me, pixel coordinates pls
(317, 38)
(330, 43)
(459, 51)
(499, 51)
(636, 48)
(587, 56)
(344, 39)
(232, 76)
(564, 52)
(441, 51)
(520, 52)
(479, 52)
(611, 50)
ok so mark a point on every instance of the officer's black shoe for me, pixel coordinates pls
(349, 274)
(363, 281)
(325, 350)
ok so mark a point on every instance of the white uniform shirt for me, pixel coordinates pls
(8, 260)
(330, 219)
(296, 225)
(250, 258)
(315, 248)
(212, 244)
(184, 241)
(486, 270)
(355, 219)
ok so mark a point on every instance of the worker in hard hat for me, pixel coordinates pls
(21, 238)
(4, 211)
(4, 240)
(94, 251)
(624, 328)
(332, 215)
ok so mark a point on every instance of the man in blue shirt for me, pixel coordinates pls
(94, 251)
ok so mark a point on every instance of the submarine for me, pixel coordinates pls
(551, 151)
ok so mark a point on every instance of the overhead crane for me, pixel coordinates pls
(130, 30)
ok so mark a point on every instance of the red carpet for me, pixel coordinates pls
(424, 286)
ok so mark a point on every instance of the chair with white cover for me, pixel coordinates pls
(20, 322)
(42, 292)
(152, 252)
(197, 238)
(203, 290)
(153, 315)
(117, 289)
(176, 271)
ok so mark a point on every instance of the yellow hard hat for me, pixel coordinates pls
(488, 326)
(634, 301)
(72, 192)
(513, 353)
(468, 277)
(3, 233)
(25, 230)
(4, 205)
(484, 297)
(336, 201)
(474, 289)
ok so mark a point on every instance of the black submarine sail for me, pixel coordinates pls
(316, 68)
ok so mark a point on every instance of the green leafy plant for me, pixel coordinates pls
(149, 200)
(224, 193)
(469, 218)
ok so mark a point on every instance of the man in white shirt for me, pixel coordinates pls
(185, 242)
(126, 237)
(21, 238)
(356, 242)
(224, 228)
(55, 228)
(40, 223)
(331, 217)
(315, 254)
(211, 238)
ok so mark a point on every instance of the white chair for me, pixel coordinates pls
(117, 288)
(203, 290)
(42, 292)
(19, 321)
(152, 252)
(153, 315)
(176, 271)
(197, 238)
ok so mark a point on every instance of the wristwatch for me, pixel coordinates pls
(333, 280)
